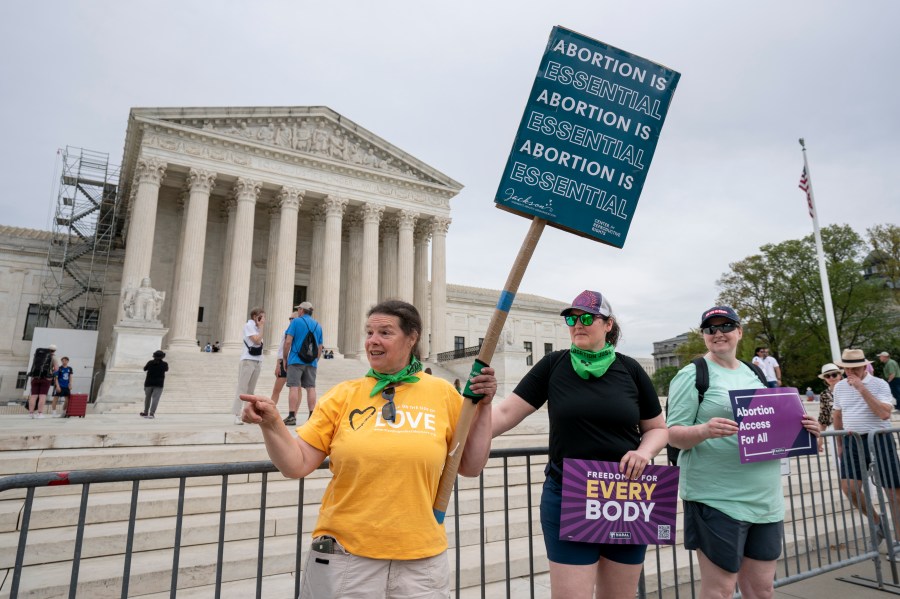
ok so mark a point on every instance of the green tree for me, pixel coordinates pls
(779, 296)
(885, 242)
(662, 377)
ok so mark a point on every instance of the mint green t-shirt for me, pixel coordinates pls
(711, 471)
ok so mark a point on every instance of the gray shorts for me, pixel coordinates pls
(726, 541)
(301, 375)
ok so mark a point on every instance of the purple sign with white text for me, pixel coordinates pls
(601, 505)
(770, 425)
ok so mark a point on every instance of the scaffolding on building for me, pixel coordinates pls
(83, 234)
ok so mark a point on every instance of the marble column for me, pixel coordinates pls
(317, 257)
(353, 324)
(439, 227)
(183, 327)
(246, 192)
(421, 238)
(142, 225)
(387, 266)
(271, 335)
(289, 200)
(405, 255)
(182, 215)
(227, 212)
(369, 279)
(328, 310)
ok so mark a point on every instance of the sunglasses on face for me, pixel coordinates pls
(388, 410)
(832, 375)
(586, 319)
(714, 328)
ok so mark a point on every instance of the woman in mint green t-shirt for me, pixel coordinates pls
(733, 512)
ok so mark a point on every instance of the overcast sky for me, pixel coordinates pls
(447, 82)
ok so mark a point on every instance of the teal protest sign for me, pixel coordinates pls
(587, 137)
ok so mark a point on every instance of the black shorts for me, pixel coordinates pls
(726, 541)
(885, 451)
(63, 392)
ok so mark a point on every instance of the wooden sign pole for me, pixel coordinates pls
(451, 466)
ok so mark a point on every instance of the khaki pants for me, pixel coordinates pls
(340, 575)
(247, 375)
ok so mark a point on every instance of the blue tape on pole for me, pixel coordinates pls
(505, 301)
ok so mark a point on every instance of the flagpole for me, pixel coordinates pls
(823, 272)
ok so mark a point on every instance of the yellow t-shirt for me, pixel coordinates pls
(379, 501)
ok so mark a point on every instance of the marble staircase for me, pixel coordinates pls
(205, 383)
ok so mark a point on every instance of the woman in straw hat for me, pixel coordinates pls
(831, 374)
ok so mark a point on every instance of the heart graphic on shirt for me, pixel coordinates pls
(362, 416)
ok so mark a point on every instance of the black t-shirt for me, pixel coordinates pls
(156, 373)
(594, 419)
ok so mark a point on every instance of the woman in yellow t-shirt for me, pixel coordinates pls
(387, 435)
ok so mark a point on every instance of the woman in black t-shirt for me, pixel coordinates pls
(602, 406)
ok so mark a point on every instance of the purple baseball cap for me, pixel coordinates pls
(591, 302)
(726, 312)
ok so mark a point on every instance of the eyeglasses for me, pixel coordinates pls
(586, 319)
(715, 328)
(832, 375)
(388, 410)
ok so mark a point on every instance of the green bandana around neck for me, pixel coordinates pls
(404, 376)
(592, 363)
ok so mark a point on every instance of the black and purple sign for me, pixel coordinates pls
(770, 424)
(601, 505)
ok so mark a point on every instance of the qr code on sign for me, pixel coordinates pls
(664, 532)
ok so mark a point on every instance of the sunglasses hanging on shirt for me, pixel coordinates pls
(388, 410)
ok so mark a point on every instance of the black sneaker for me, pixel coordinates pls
(143, 414)
(290, 421)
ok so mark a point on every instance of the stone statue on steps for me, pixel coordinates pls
(143, 304)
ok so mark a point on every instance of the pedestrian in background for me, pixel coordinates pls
(302, 360)
(831, 374)
(251, 360)
(891, 374)
(42, 368)
(156, 370)
(769, 366)
(63, 376)
(281, 366)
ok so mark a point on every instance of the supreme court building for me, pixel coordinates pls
(239, 207)
(229, 208)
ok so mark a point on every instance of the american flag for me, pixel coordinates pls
(804, 185)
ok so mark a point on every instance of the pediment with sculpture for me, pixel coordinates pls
(310, 135)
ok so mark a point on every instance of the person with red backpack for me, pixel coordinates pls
(733, 512)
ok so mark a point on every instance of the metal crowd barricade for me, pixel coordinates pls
(823, 529)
